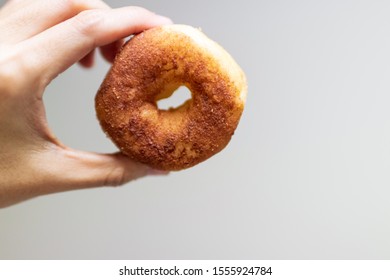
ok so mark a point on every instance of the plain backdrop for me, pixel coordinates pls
(306, 175)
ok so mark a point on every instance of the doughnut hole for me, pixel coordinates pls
(173, 99)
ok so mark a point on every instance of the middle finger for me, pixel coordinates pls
(36, 16)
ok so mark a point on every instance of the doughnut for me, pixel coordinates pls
(151, 66)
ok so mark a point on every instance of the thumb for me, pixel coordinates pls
(57, 169)
(68, 169)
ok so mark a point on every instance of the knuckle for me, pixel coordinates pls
(12, 70)
(68, 4)
(79, 5)
(19, 72)
(88, 21)
(116, 177)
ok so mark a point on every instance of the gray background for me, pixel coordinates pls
(305, 176)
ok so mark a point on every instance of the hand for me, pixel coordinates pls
(39, 40)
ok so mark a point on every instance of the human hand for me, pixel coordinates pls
(39, 40)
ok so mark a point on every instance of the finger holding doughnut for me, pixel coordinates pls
(59, 47)
(62, 169)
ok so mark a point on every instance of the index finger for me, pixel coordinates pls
(56, 49)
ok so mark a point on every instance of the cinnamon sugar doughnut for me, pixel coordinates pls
(150, 67)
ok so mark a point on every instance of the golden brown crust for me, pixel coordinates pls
(149, 67)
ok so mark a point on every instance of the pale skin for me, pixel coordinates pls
(39, 39)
